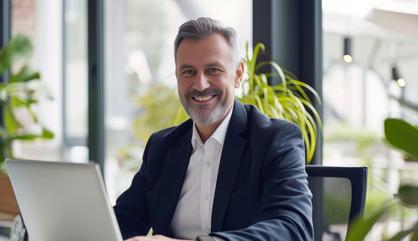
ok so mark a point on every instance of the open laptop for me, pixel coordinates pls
(62, 201)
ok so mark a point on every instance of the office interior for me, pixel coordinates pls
(107, 79)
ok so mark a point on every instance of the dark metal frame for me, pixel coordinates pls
(291, 30)
(5, 35)
(5, 29)
(5, 24)
(96, 134)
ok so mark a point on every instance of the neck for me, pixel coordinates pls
(205, 131)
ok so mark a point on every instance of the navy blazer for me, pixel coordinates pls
(261, 192)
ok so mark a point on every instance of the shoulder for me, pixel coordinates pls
(279, 142)
(270, 137)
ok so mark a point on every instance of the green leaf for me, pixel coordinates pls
(10, 121)
(25, 137)
(17, 47)
(47, 134)
(414, 236)
(402, 234)
(25, 74)
(402, 135)
(408, 194)
(362, 226)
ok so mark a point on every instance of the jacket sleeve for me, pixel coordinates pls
(286, 208)
(131, 207)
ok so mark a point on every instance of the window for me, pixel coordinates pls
(41, 21)
(359, 95)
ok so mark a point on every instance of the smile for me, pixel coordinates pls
(203, 98)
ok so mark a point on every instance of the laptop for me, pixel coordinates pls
(63, 201)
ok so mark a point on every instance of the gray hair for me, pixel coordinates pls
(203, 27)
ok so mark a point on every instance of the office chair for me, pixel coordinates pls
(339, 195)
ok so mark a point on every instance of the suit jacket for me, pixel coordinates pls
(261, 192)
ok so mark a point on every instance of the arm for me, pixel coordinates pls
(285, 212)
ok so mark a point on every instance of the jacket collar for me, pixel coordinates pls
(232, 153)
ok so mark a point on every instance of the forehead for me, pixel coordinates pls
(195, 52)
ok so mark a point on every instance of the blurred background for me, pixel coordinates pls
(369, 72)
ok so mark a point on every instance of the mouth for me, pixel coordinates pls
(204, 98)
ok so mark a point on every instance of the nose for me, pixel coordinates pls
(201, 82)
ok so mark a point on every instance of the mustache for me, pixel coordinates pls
(205, 92)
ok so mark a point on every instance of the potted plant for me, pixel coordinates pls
(288, 100)
(17, 100)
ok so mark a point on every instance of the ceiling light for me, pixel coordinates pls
(348, 56)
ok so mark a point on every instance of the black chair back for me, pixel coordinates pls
(339, 197)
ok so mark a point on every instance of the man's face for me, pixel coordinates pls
(206, 78)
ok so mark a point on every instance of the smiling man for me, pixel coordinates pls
(229, 172)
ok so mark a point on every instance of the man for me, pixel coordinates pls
(229, 173)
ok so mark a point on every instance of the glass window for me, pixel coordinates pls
(41, 21)
(359, 94)
(75, 101)
(58, 32)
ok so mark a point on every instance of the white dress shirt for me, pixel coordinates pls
(193, 214)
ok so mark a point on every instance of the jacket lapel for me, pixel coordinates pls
(172, 181)
(232, 153)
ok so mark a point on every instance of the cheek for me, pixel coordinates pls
(181, 86)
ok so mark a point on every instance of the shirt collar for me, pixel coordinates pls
(218, 135)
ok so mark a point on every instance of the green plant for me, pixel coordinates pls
(18, 97)
(404, 137)
(288, 100)
(157, 97)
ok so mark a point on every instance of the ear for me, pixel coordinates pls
(239, 74)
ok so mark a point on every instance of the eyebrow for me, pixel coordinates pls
(213, 64)
(186, 66)
(216, 63)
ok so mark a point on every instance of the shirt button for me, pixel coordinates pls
(206, 196)
(208, 163)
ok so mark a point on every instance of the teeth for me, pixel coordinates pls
(203, 98)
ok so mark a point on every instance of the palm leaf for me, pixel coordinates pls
(19, 46)
(24, 75)
(402, 234)
(362, 226)
(402, 135)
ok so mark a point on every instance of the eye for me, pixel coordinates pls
(187, 72)
(213, 70)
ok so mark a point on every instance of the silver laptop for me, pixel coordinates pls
(62, 201)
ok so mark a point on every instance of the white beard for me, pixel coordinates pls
(215, 115)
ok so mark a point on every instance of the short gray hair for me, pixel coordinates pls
(203, 27)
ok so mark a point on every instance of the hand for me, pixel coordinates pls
(154, 238)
